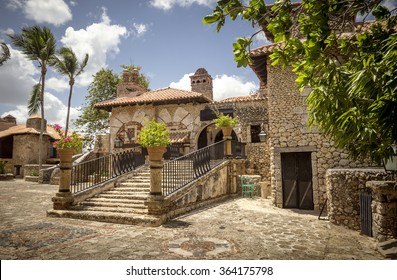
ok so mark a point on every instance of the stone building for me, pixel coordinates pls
(299, 156)
(19, 145)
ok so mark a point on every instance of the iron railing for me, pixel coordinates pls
(183, 170)
(87, 175)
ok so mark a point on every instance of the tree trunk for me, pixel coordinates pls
(71, 83)
(43, 72)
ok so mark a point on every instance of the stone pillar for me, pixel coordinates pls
(155, 201)
(228, 146)
(63, 198)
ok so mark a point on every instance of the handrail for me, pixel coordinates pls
(183, 170)
(88, 174)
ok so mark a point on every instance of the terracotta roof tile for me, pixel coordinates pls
(266, 49)
(22, 129)
(245, 98)
(179, 137)
(165, 95)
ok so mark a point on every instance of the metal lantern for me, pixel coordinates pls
(118, 143)
(390, 164)
(262, 136)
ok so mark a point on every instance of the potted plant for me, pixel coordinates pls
(155, 136)
(67, 145)
(226, 123)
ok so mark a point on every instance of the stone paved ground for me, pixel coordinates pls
(238, 229)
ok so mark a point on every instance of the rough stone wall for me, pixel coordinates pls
(26, 150)
(218, 184)
(258, 161)
(384, 209)
(343, 188)
(289, 132)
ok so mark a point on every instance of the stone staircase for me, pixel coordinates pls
(123, 204)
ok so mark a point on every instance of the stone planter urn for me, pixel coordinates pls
(65, 154)
(156, 153)
(227, 131)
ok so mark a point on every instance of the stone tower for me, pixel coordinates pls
(130, 85)
(201, 82)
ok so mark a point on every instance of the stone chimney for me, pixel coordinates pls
(35, 122)
(130, 86)
(201, 82)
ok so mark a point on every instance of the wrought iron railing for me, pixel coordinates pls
(183, 170)
(87, 175)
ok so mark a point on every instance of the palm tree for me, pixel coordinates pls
(37, 43)
(66, 63)
(5, 53)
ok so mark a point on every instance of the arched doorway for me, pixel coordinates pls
(210, 135)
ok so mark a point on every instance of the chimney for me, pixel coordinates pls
(201, 82)
(130, 86)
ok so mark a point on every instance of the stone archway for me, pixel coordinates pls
(210, 135)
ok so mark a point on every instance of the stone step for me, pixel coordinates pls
(133, 184)
(108, 217)
(131, 196)
(113, 204)
(116, 200)
(139, 192)
(105, 208)
(132, 189)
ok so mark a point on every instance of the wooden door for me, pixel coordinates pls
(297, 180)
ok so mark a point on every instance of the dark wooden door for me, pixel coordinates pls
(297, 180)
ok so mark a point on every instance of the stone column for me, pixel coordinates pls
(227, 135)
(155, 201)
(63, 198)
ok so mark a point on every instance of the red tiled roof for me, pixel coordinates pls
(179, 137)
(22, 129)
(266, 49)
(160, 96)
(244, 98)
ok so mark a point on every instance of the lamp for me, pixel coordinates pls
(118, 143)
(262, 134)
(390, 164)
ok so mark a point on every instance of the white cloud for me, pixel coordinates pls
(140, 28)
(55, 111)
(169, 4)
(98, 40)
(54, 12)
(17, 76)
(229, 86)
(224, 86)
(183, 83)
(56, 84)
(14, 4)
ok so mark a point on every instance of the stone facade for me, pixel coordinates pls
(384, 209)
(343, 188)
(289, 133)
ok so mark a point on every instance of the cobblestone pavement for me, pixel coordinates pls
(237, 229)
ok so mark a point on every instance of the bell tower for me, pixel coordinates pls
(130, 84)
(201, 82)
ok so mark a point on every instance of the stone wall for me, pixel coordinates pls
(289, 133)
(26, 150)
(384, 209)
(219, 184)
(343, 188)
(178, 118)
(258, 161)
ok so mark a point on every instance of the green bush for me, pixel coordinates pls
(225, 121)
(154, 134)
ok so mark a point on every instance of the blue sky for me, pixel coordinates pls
(165, 37)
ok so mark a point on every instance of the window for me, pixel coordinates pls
(255, 130)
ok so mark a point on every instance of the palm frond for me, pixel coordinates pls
(34, 103)
(5, 55)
